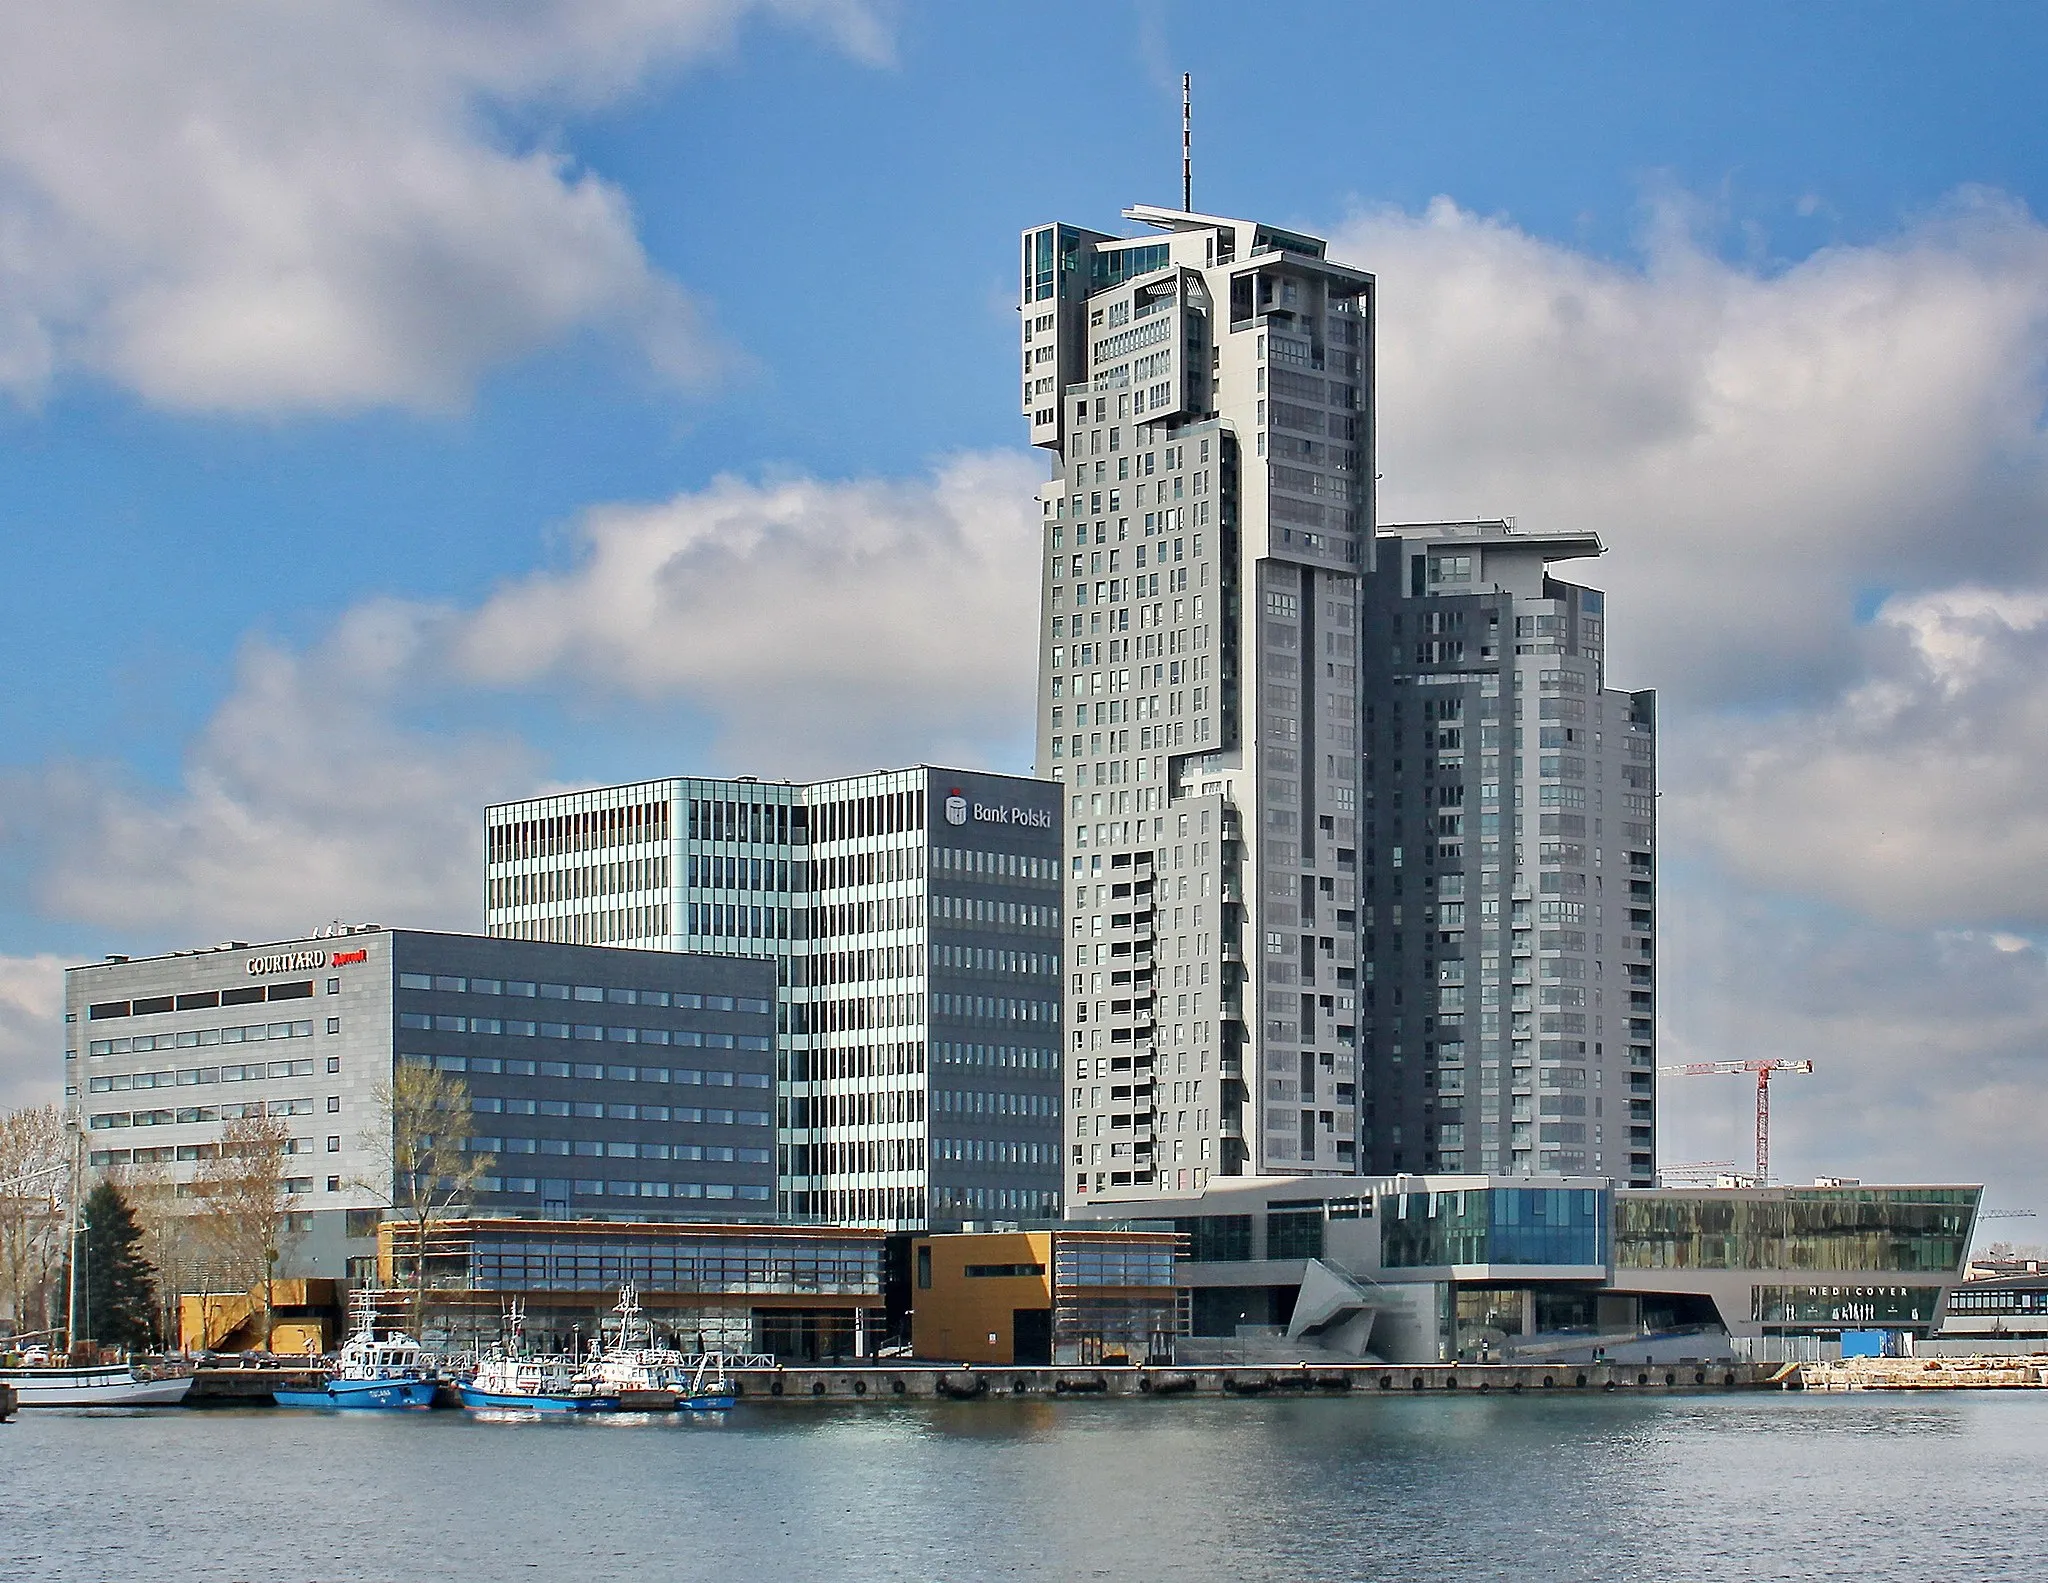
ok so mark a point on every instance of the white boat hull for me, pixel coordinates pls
(93, 1388)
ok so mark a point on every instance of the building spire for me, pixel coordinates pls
(1187, 168)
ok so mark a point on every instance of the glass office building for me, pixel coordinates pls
(912, 921)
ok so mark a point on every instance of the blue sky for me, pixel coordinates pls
(355, 374)
(848, 226)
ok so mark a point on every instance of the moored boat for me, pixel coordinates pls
(511, 1379)
(634, 1366)
(111, 1385)
(371, 1374)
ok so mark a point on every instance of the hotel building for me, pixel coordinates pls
(604, 1083)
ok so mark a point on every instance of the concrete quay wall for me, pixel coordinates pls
(925, 1382)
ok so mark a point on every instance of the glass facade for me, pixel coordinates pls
(2030, 1300)
(590, 1261)
(1905, 1228)
(1093, 1263)
(1501, 1225)
(1295, 1234)
(1217, 1238)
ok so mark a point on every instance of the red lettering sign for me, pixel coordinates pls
(344, 958)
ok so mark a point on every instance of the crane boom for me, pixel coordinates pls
(1763, 1070)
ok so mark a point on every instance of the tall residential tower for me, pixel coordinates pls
(1206, 394)
(1302, 939)
(1509, 904)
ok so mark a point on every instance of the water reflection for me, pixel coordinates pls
(1473, 1489)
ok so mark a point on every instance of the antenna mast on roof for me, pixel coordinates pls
(1187, 167)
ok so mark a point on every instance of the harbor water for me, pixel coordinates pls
(1750, 1486)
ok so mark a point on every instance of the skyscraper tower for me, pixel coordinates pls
(1509, 899)
(1206, 394)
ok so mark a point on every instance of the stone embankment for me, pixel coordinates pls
(1927, 1374)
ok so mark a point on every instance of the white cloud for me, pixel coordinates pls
(1930, 1047)
(1851, 842)
(1853, 830)
(302, 801)
(31, 1030)
(821, 627)
(826, 627)
(1915, 795)
(1759, 450)
(251, 208)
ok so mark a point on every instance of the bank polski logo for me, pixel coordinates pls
(956, 807)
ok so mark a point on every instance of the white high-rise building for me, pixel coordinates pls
(1206, 394)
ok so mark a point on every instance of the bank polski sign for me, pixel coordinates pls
(959, 809)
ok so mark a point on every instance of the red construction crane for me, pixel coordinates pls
(1763, 1071)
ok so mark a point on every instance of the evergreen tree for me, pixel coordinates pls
(120, 1292)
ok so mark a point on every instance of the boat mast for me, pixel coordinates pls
(77, 1231)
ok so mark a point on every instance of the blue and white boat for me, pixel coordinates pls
(509, 1379)
(634, 1365)
(384, 1375)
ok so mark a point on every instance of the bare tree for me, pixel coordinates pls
(425, 1170)
(35, 1189)
(246, 1201)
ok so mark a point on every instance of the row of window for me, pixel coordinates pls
(730, 921)
(994, 1151)
(591, 993)
(496, 1105)
(971, 1103)
(420, 1021)
(199, 1113)
(981, 909)
(629, 876)
(530, 1186)
(618, 1151)
(247, 1072)
(987, 959)
(994, 1008)
(674, 1264)
(197, 1038)
(1012, 1055)
(201, 1000)
(998, 865)
(580, 832)
(589, 1071)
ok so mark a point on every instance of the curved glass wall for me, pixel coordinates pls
(1906, 1229)
(1499, 1225)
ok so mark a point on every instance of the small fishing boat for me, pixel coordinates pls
(635, 1366)
(113, 1385)
(707, 1388)
(371, 1374)
(511, 1379)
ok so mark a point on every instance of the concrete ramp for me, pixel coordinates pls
(1333, 1311)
